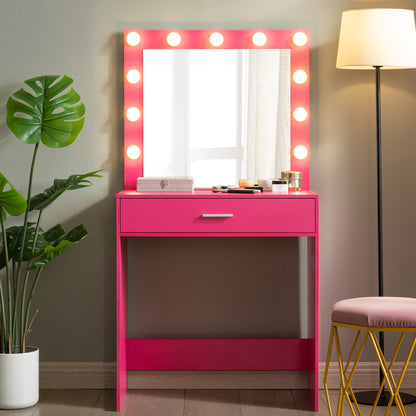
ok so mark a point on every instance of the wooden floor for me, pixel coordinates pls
(183, 403)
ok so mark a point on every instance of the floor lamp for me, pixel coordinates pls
(375, 39)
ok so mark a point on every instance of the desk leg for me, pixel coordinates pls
(121, 321)
(313, 325)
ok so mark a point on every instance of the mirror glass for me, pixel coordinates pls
(216, 115)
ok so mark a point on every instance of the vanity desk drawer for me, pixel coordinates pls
(218, 215)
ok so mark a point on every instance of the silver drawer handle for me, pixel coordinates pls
(216, 215)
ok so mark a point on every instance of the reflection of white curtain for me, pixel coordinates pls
(267, 113)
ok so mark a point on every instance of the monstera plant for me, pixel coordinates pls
(46, 111)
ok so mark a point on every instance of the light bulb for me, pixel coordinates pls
(300, 152)
(259, 39)
(300, 114)
(216, 39)
(133, 38)
(174, 39)
(300, 39)
(133, 152)
(133, 114)
(133, 76)
(300, 76)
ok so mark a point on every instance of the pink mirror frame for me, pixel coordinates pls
(137, 40)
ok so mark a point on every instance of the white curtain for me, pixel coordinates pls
(267, 114)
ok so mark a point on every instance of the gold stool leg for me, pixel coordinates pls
(388, 374)
(345, 379)
(396, 394)
(391, 374)
(328, 358)
(348, 386)
(341, 397)
(399, 383)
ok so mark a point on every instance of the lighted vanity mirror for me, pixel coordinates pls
(216, 106)
(218, 115)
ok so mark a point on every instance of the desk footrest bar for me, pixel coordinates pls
(220, 354)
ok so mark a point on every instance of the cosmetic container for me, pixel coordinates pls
(242, 183)
(280, 186)
(294, 180)
(266, 184)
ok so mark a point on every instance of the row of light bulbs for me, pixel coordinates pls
(216, 39)
(133, 152)
(299, 114)
(300, 76)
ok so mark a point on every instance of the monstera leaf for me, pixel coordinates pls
(14, 242)
(44, 199)
(10, 200)
(56, 248)
(47, 110)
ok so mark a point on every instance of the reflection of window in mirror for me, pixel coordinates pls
(217, 115)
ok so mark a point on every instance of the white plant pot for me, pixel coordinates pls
(19, 379)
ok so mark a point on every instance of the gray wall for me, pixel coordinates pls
(82, 38)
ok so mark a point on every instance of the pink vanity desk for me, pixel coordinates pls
(207, 214)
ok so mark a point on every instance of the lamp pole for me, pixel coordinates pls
(379, 192)
(383, 397)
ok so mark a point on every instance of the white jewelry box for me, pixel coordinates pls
(165, 184)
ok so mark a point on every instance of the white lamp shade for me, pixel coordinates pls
(377, 37)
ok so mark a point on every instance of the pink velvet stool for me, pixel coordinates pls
(370, 315)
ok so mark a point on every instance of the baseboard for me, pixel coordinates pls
(367, 375)
(97, 375)
(78, 375)
(217, 380)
